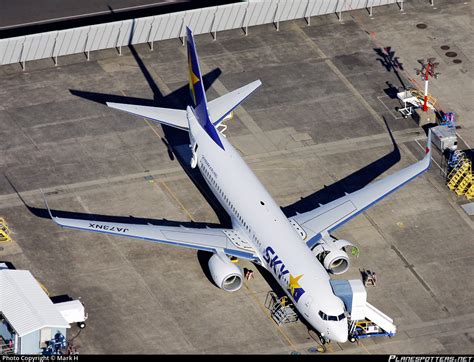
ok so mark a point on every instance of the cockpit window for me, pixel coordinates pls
(326, 317)
(323, 315)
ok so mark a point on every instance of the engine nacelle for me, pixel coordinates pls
(330, 252)
(336, 261)
(225, 274)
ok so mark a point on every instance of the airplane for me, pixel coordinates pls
(299, 251)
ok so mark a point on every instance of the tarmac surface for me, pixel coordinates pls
(316, 128)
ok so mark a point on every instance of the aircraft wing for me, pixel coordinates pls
(229, 241)
(329, 217)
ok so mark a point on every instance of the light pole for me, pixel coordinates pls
(427, 69)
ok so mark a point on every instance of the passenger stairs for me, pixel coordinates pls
(4, 231)
(281, 309)
(460, 178)
(364, 319)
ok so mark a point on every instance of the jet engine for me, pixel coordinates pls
(332, 254)
(225, 274)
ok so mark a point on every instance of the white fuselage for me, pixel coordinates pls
(254, 212)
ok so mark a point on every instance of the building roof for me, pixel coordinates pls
(25, 305)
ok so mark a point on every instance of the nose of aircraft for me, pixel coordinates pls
(339, 332)
(339, 337)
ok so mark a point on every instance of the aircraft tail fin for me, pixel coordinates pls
(196, 88)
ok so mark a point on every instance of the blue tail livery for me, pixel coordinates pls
(198, 94)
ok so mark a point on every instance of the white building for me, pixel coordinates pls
(28, 317)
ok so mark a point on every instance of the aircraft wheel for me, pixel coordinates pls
(81, 325)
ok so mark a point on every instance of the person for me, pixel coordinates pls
(371, 277)
(248, 274)
(10, 343)
(366, 276)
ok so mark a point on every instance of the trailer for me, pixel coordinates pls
(445, 137)
(73, 311)
(413, 99)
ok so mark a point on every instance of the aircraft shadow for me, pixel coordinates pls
(349, 184)
(203, 259)
(177, 141)
(44, 214)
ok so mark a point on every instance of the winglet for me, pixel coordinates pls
(46, 204)
(428, 143)
(426, 161)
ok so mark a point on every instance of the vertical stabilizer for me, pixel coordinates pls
(196, 88)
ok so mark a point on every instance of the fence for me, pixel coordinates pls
(168, 26)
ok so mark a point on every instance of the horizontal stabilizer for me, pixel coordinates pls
(222, 106)
(170, 117)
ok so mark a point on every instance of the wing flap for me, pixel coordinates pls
(324, 218)
(170, 117)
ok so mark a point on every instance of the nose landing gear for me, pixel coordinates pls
(320, 339)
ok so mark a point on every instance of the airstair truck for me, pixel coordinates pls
(364, 319)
